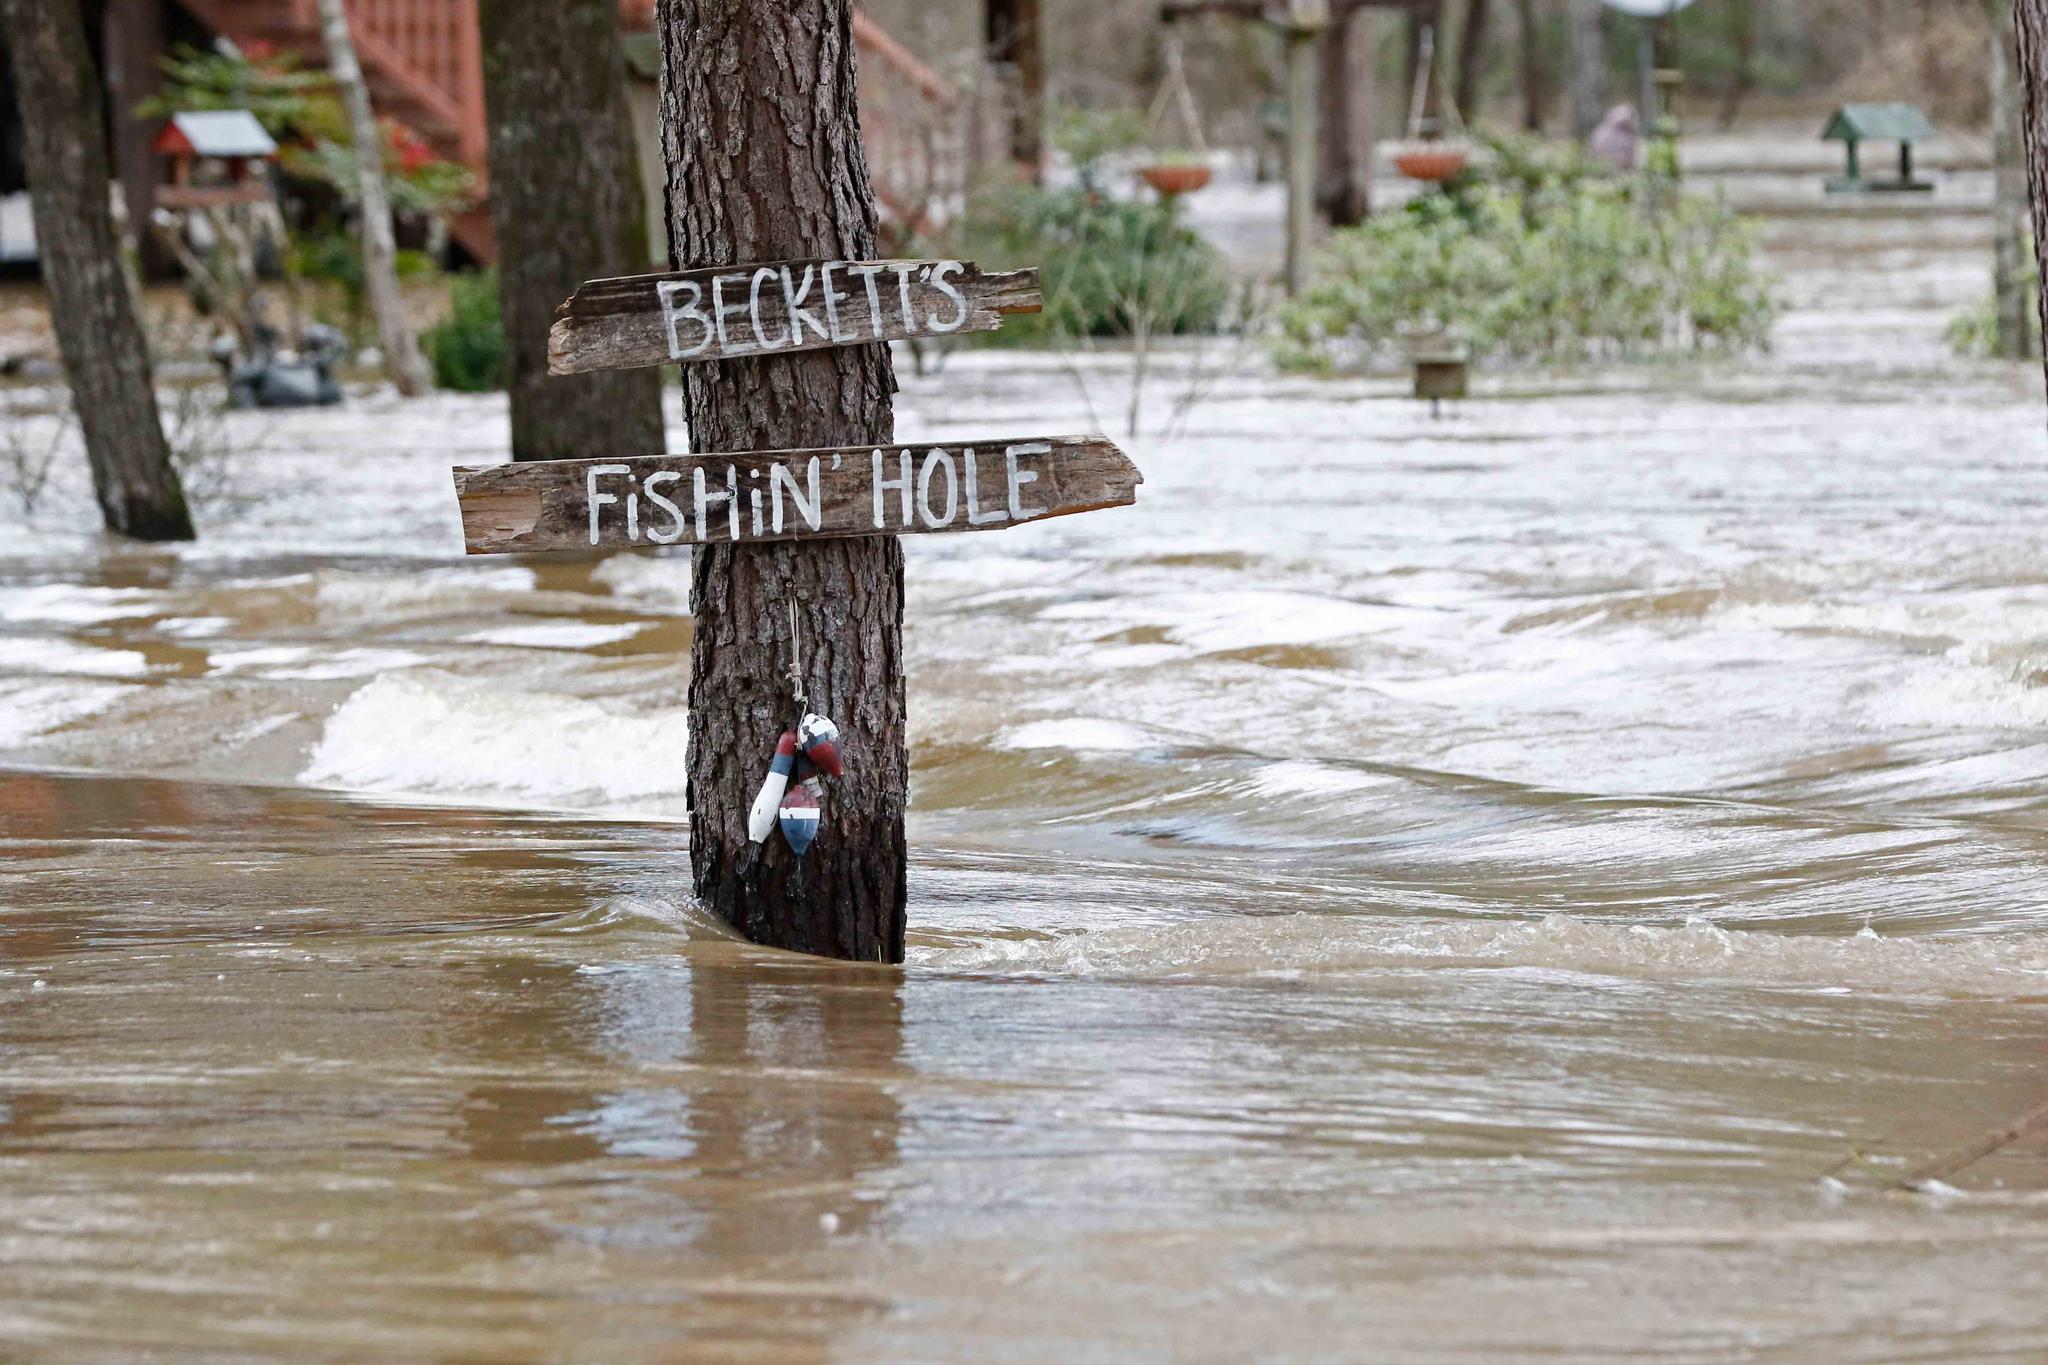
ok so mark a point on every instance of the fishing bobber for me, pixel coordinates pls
(800, 815)
(819, 739)
(761, 818)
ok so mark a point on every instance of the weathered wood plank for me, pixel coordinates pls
(787, 494)
(777, 307)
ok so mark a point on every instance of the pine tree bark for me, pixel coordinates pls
(2014, 340)
(64, 147)
(1588, 66)
(402, 359)
(567, 206)
(2031, 31)
(761, 136)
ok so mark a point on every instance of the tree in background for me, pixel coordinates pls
(64, 147)
(1588, 58)
(762, 136)
(2031, 31)
(2013, 338)
(402, 359)
(566, 202)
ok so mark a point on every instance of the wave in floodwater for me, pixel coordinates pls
(1311, 945)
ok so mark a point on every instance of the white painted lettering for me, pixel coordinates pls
(653, 490)
(902, 485)
(667, 290)
(1020, 477)
(938, 281)
(811, 508)
(597, 499)
(766, 272)
(903, 271)
(833, 298)
(800, 317)
(975, 516)
(934, 459)
(721, 310)
(867, 275)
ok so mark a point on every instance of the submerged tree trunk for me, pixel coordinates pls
(1344, 132)
(2014, 338)
(64, 148)
(2032, 32)
(1588, 66)
(402, 359)
(566, 203)
(762, 140)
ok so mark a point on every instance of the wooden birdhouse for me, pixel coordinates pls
(1854, 124)
(213, 155)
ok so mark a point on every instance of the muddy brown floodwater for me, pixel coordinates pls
(1408, 889)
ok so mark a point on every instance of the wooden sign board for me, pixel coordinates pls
(777, 308)
(787, 494)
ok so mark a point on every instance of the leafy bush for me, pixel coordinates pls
(1107, 267)
(1973, 333)
(1536, 256)
(468, 346)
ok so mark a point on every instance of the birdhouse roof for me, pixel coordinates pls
(218, 133)
(1885, 122)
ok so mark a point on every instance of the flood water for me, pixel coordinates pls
(1411, 889)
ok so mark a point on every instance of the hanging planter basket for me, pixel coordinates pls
(1172, 178)
(1431, 162)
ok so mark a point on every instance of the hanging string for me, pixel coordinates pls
(796, 662)
(1176, 94)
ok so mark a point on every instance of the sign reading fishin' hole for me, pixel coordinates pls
(788, 494)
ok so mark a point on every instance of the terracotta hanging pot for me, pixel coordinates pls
(1431, 162)
(1172, 178)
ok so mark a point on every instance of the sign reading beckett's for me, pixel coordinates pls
(787, 494)
(783, 306)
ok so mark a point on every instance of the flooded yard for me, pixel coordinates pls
(1424, 888)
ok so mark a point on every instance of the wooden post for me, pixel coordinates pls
(1306, 21)
(761, 134)
(567, 204)
(65, 152)
(402, 359)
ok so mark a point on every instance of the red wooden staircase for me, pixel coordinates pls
(423, 61)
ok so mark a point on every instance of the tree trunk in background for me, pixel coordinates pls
(1344, 132)
(2032, 30)
(1471, 53)
(1741, 21)
(567, 206)
(1588, 66)
(64, 148)
(2009, 206)
(402, 359)
(1534, 96)
(762, 139)
(1016, 40)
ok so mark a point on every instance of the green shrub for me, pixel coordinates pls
(1973, 333)
(1536, 256)
(1107, 267)
(468, 346)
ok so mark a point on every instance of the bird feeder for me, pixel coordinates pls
(1427, 156)
(1191, 171)
(1854, 124)
(211, 154)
